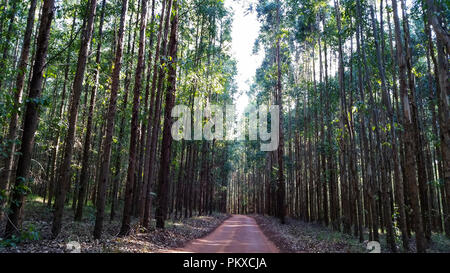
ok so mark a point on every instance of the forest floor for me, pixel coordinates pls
(36, 237)
(300, 237)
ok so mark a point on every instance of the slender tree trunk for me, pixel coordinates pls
(64, 176)
(146, 128)
(386, 184)
(117, 176)
(398, 182)
(157, 84)
(148, 176)
(9, 32)
(56, 140)
(107, 142)
(5, 174)
(410, 176)
(280, 192)
(443, 49)
(163, 182)
(126, 218)
(87, 138)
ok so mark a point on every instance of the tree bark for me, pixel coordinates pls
(163, 182)
(64, 176)
(408, 137)
(84, 176)
(126, 217)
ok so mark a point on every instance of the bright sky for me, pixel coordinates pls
(244, 33)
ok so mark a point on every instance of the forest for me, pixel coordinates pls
(87, 89)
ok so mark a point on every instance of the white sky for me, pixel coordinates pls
(245, 30)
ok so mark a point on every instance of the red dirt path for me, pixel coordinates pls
(238, 234)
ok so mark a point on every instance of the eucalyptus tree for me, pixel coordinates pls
(8, 164)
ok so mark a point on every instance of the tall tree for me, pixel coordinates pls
(126, 217)
(163, 180)
(157, 82)
(408, 137)
(110, 116)
(8, 166)
(65, 169)
(88, 135)
(279, 99)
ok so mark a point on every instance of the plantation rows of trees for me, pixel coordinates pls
(87, 89)
(365, 145)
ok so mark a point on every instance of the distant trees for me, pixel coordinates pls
(88, 134)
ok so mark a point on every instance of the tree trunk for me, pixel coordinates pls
(163, 182)
(30, 123)
(87, 138)
(410, 166)
(157, 83)
(5, 174)
(126, 218)
(280, 191)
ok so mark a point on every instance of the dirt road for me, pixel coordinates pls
(238, 234)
